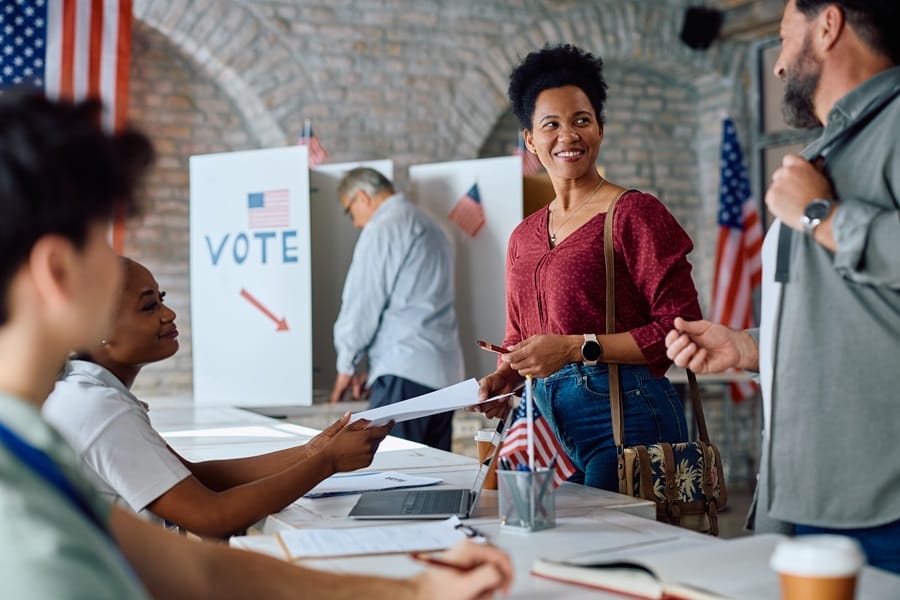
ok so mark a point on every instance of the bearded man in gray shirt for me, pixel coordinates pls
(829, 340)
(397, 306)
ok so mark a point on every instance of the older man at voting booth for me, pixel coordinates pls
(397, 306)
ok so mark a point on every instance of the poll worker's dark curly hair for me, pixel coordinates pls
(553, 67)
(60, 173)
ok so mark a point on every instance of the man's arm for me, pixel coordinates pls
(173, 566)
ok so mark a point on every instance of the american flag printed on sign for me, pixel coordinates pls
(72, 49)
(468, 213)
(738, 271)
(546, 446)
(268, 210)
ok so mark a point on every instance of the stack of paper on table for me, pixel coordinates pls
(356, 483)
(690, 569)
(356, 541)
(459, 395)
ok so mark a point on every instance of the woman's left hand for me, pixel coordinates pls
(543, 355)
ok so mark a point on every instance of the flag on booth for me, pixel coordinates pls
(317, 154)
(468, 213)
(531, 165)
(738, 270)
(268, 210)
(546, 446)
(72, 49)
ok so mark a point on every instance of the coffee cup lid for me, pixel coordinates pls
(485, 435)
(818, 555)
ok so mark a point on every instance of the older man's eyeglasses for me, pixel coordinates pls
(348, 205)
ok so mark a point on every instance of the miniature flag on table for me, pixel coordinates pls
(468, 214)
(268, 210)
(738, 271)
(531, 165)
(546, 446)
(317, 154)
(72, 50)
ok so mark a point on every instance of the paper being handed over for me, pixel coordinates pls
(459, 395)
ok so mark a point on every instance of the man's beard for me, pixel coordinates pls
(800, 87)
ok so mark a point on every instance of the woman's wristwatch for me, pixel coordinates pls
(591, 350)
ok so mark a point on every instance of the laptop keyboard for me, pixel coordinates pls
(431, 502)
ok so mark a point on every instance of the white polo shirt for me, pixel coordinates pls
(110, 430)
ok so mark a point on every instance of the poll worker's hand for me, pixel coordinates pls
(706, 347)
(483, 571)
(321, 440)
(354, 446)
(501, 381)
(796, 183)
(541, 355)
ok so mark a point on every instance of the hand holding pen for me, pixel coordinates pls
(467, 570)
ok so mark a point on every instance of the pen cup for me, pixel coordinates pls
(526, 499)
(486, 440)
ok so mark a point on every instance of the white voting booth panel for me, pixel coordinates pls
(250, 278)
(480, 261)
(333, 239)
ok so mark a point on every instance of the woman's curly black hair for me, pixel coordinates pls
(553, 67)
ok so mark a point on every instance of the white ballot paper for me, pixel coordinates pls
(355, 483)
(458, 395)
(384, 539)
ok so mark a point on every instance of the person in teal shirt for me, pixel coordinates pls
(61, 180)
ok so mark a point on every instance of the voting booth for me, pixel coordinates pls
(251, 277)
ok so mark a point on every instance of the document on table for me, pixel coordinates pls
(355, 483)
(387, 539)
(459, 395)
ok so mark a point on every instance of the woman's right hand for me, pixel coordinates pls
(501, 381)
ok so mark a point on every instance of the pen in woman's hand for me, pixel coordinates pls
(431, 560)
(491, 347)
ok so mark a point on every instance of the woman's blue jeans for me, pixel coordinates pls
(575, 402)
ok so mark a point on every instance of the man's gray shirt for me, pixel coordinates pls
(832, 456)
(397, 304)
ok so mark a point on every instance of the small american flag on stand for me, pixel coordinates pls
(738, 271)
(546, 446)
(468, 213)
(317, 154)
(531, 165)
(268, 210)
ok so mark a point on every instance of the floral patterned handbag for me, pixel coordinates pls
(684, 480)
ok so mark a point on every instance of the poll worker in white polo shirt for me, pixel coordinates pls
(93, 407)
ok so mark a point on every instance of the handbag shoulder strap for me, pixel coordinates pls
(615, 387)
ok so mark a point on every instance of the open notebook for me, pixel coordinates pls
(428, 504)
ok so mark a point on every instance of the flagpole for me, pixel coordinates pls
(529, 418)
(307, 128)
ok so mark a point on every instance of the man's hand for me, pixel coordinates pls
(354, 446)
(542, 355)
(705, 347)
(344, 381)
(794, 185)
(488, 571)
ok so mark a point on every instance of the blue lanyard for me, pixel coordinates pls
(44, 466)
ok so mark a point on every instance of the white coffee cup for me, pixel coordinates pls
(818, 567)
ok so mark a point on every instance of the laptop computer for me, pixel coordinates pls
(431, 503)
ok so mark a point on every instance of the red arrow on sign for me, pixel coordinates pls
(282, 322)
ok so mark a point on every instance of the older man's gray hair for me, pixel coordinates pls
(364, 179)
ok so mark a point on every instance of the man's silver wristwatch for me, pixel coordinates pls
(591, 350)
(815, 212)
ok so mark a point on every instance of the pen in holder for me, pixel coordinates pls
(526, 499)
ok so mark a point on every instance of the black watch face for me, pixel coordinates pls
(817, 211)
(591, 350)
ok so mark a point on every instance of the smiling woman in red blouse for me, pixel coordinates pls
(555, 278)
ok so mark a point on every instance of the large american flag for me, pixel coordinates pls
(468, 213)
(738, 271)
(546, 446)
(268, 210)
(72, 49)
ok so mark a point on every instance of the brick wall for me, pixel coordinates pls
(416, 81)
